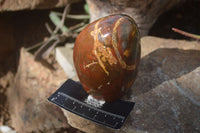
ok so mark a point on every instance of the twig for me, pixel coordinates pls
(59, 23)
(48, 28)
(56, 21)
(187, 34)
(80, 29)
(39, 54)
(45, 50)
(74, 16)
(46, 46)
(35, 46)
(78, 16)
(59, 39)
(66, 11)
(77, 26)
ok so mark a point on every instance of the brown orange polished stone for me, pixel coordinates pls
(106, 56)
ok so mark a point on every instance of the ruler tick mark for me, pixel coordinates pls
(74, 108)
(94, 116)
(115, 124)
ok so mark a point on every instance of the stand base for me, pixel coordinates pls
(72, 97)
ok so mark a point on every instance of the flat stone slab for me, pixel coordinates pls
(167, 108)
(64, 56)
(166, 91)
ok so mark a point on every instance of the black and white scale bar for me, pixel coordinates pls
(72, 97)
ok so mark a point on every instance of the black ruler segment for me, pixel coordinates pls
(72, 97)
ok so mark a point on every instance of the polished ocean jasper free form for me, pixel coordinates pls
(107, 55)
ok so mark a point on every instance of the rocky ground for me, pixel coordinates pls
(179, 73)
(166, 92)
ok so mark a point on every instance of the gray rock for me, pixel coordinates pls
(168, 107)
(166, 91)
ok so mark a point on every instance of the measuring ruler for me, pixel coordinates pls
(72, 97)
